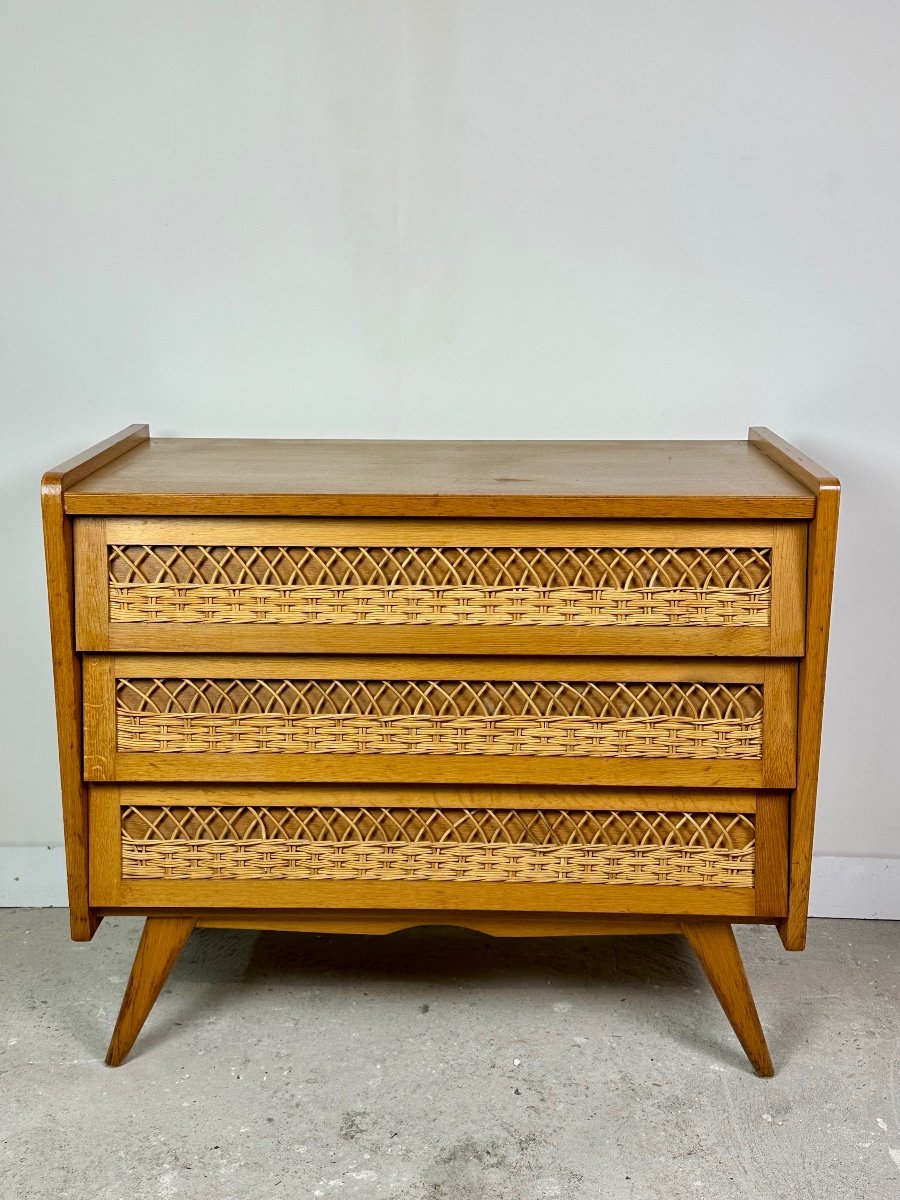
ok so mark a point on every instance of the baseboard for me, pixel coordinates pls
(855, 887)
(35, 877)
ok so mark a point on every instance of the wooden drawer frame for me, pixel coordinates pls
(775, 769)
(96, 631)
(768, 897)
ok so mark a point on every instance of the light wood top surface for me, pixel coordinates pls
(221, 476)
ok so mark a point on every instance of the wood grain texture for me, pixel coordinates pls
(103, 454)
(717, 951)
(347, 531)
(393, 641)
(100, 751)
(822, 545)
(383, 921)
(771, 876)
(162, 940)
(797, 464)
(106, 843)
(432, 768)
(779, 761)
(440, 666)
(218, 477)
(58, 551)
(429, 795)
(550, 897)
(91, 584)
(104, 806)
(497, 924)
(787, 617)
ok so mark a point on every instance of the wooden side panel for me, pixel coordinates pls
(811, 699)
(67, 688)
(58, 552)
(811, 689)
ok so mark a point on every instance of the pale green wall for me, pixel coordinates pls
(458, 220)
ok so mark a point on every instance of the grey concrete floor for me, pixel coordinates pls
(444, 1065)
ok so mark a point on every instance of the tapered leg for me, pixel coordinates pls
(162, 940)
(713, 943)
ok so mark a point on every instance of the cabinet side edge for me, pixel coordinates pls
(67, 683)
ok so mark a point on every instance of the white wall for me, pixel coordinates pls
(459, 219)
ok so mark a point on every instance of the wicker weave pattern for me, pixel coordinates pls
(636, 720)
(678, 849)
(440, 586)
(433, 825)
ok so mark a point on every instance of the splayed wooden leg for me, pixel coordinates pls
(162, 940)
(714, 944)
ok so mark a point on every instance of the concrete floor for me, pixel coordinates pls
(443, 1065)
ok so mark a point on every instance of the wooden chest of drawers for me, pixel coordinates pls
(521, 687)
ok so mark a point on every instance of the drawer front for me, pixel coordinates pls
(633, 851)
(450, 719)
(388, 586)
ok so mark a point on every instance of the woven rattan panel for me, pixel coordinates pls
(251, 716)
(211, 842)
(440, 585)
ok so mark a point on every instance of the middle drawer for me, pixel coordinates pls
(695, 722)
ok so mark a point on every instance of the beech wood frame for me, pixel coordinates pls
(785, 827)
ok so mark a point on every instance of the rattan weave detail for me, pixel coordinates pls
(440, 585)
(251, 716)
(211, 842)
(463, 825)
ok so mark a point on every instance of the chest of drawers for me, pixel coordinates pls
(521, 687)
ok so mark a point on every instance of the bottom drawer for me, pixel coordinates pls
(562, 849)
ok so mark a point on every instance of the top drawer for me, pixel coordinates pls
(425, 586)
